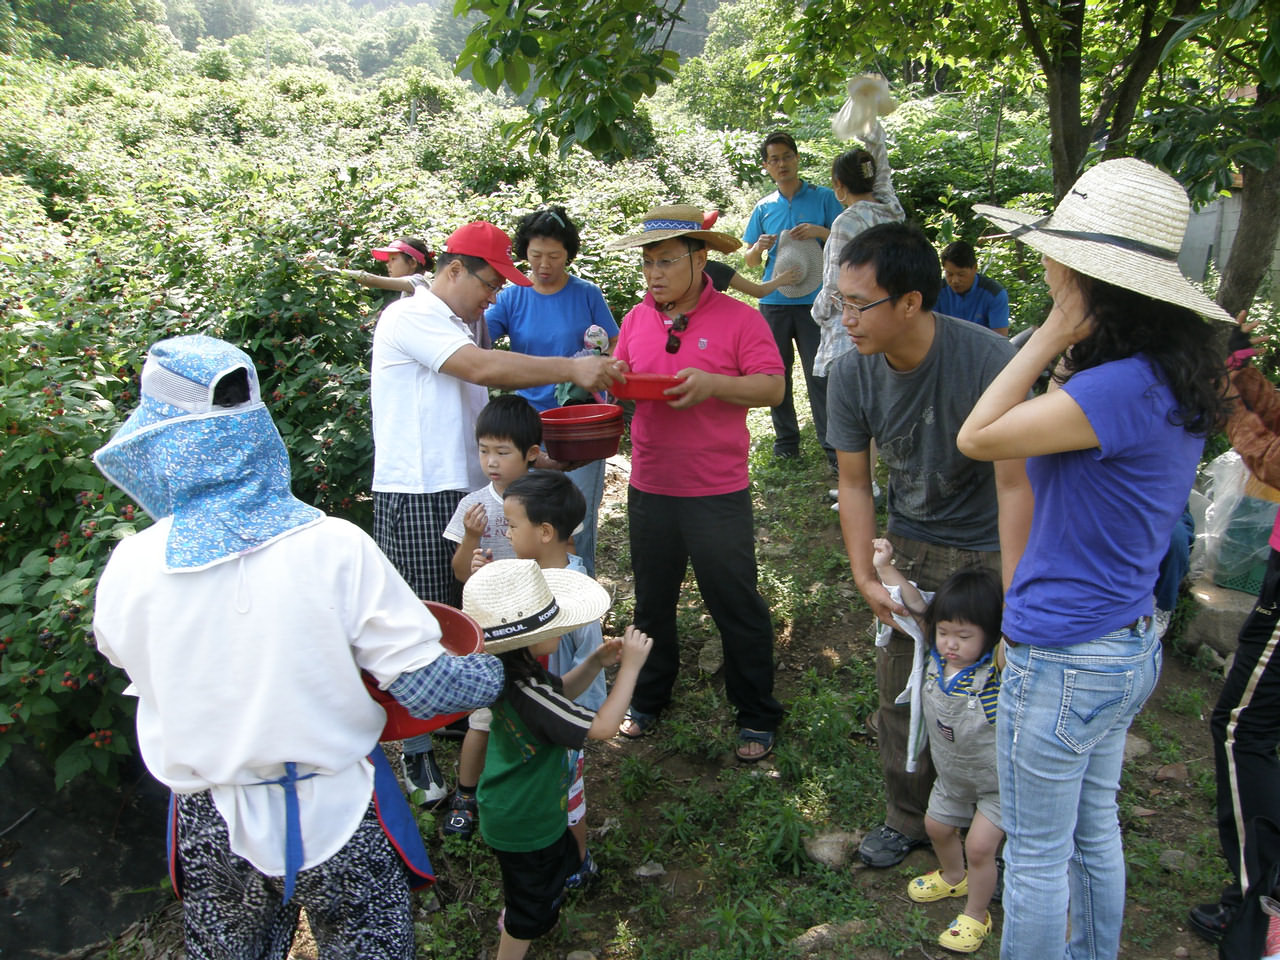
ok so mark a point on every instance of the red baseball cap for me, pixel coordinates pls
(489, 243)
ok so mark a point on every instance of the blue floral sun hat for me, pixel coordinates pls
(221, 471)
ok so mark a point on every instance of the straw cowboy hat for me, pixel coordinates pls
(1122, 222)
(677, 220)
(517, 603)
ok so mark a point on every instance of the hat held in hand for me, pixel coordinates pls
(805, 254)
(518, 604)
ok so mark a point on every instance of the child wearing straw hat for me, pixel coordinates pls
(523, 792)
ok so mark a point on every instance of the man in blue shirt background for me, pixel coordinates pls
(808, 212)
(968, 294)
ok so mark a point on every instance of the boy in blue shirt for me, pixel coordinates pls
(543, 509)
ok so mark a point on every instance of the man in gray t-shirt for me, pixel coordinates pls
(909, 384)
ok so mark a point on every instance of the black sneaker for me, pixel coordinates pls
(1210, 920)
(997, 895)
(421, 772)
(587, 874)
(886, 847)
(461, 821)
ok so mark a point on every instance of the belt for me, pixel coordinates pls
(1127, 626)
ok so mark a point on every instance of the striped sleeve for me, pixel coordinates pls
(551, 716)
(990, 694)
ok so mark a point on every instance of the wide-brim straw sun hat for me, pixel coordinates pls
(676, 220)
(1122, 222)
(805, 254)
(517, 603)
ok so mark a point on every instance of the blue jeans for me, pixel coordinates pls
(1061, 726)
(590, 480)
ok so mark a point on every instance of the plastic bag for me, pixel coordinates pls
(868, 99)
(1233, 549)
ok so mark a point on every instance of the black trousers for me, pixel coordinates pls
(716, 534)
(1246, 729)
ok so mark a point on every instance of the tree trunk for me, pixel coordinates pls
(1255, 243)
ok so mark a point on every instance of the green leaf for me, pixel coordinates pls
(584, 125)
(517, 74)
(70, 764)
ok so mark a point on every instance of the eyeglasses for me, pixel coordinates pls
(494, 288)
(785, 158)
(846, 307)
(679, 325)
(662, 266)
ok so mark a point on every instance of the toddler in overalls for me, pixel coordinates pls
(957, 685)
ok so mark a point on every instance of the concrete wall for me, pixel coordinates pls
(1210, 233)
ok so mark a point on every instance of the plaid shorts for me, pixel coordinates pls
(409, 529)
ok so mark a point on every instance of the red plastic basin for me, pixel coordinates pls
(461, 636)
(645, 386)
(583, 431)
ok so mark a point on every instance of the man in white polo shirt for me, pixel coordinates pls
(429, 381)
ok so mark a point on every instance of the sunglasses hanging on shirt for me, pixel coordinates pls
(679, 325)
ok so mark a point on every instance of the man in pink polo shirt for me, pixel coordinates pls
(689, 498)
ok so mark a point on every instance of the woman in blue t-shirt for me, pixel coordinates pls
(549, 319)
(1112, 449)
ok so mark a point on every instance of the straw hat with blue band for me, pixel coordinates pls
(1122, 222)
(676, 220)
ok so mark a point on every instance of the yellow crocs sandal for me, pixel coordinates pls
(965, 934)
(932, 887)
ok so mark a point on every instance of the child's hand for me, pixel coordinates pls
(882, 553)
(479, 557)
(635, 647)
(609, 652)
(475, 520)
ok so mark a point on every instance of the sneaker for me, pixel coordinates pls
(997, 895)
(421, 772)
(1210, 920)
(833, 493)
(461, 821)
(886, 847)
(587, 874)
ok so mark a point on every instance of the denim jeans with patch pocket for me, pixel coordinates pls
(1061, 725)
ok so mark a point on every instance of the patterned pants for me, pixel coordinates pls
(357, 901)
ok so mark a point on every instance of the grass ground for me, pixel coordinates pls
(735, 880)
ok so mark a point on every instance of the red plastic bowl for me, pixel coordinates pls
(583, 431)
(645, 386)
(461, 636)
(580, 413)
